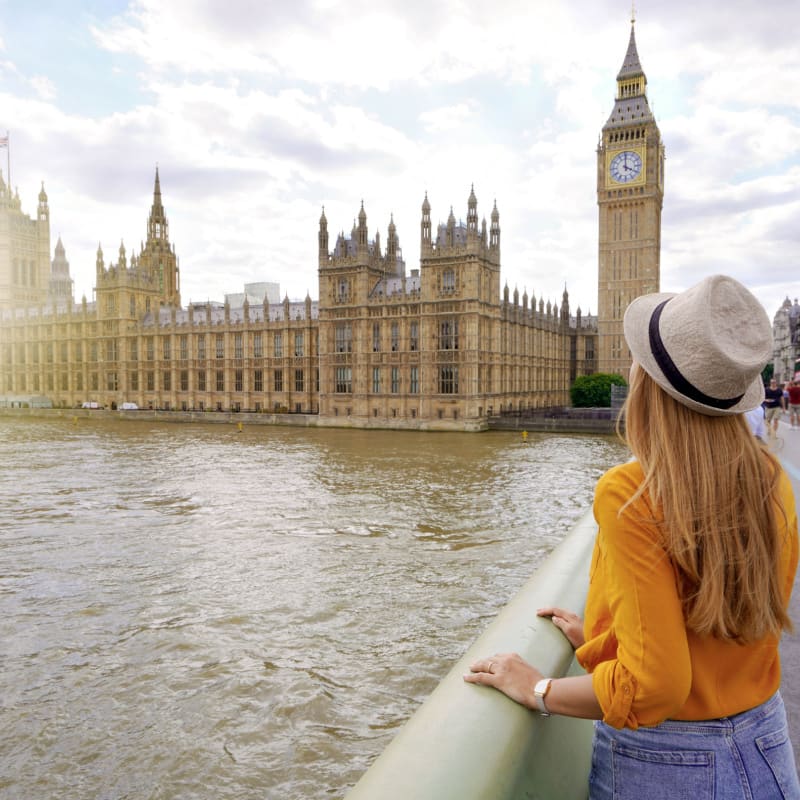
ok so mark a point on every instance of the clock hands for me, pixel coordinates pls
(626, 166)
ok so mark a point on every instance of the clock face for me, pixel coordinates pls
(625, 166)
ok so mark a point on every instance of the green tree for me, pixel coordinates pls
(591, 391)
(767, 372)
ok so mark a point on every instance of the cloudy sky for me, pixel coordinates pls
(260, 112)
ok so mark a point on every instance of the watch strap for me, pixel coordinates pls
(540, 691)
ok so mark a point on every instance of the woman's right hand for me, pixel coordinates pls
(571, 625)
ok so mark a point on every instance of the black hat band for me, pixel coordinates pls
(673, 374)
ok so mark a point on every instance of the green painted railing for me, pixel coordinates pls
(468, 742)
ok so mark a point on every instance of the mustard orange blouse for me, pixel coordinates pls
(646, 667)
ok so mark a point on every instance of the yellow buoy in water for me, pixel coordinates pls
(240, 426)
(524, 436)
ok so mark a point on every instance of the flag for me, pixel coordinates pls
(3, 141)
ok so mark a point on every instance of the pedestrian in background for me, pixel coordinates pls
(774, 405)
(691, 574)
(794, 404)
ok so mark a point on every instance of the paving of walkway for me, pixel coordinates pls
(788, 451)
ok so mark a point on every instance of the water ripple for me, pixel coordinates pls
(192, 614)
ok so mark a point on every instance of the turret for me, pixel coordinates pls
(362, 229)
(425, 227)
(323, 239)
(494, 237)
(60, 288)
(391, 242)
(158, 259)
(157, 225)
(451, 228)
(44, 210)
(472, 211)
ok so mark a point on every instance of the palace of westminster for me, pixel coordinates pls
(441, 347)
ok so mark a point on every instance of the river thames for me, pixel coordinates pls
(194, 611)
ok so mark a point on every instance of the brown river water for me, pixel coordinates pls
(194, 611)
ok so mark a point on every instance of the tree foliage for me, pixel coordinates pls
(592, 391)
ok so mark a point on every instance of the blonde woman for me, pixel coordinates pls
(691, 573)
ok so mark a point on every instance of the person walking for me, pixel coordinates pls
(691, 574)
(774, 405)
(794, 404)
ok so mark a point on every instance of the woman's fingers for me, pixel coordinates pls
(555, 611)
(507, 672)
(568, 622)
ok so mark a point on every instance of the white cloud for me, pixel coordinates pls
(44, 87)
(261, 113)
(449, 118)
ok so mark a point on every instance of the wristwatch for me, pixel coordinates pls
(539, 693)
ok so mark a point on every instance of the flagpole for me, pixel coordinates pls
(8, 159)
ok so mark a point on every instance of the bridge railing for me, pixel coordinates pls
(470, 742)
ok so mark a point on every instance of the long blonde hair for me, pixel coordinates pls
(717, 488)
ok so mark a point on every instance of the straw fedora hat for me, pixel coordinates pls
(705, 347)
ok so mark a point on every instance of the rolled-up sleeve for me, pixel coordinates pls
(640, 661)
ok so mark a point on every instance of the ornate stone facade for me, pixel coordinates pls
(630, 193)
(24, 251)
(786, 340)
(438, 348)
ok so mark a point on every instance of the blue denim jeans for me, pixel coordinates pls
(745, 757)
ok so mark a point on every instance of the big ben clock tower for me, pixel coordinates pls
(630, 192)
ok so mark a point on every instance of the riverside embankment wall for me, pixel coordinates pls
(597, 421)
(468, 742)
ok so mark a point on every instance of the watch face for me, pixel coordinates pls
(625, 166)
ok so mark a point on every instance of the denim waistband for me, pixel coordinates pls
(726, 725)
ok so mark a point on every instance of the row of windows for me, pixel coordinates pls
(625, 192)
(447, 380)
(624, 136)
(236, 381)
(446, 281)
(166, 349)
(447, 338)
(257, 346)
(257, 381)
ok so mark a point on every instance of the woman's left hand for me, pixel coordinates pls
(508, 673)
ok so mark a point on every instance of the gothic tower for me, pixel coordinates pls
(24, 251)
(60, 281)
(158, 257)
(630, 193)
